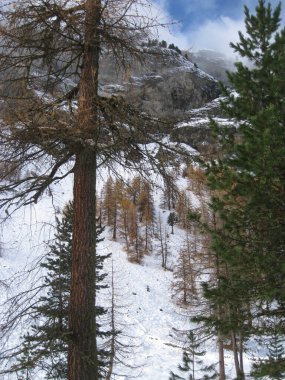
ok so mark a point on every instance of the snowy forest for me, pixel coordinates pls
(141, 198)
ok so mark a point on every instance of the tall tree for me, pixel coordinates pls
(46, 344)
(184, 274)
(50, 63)
(192, 361)
(250, 178)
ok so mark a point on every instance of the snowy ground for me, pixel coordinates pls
(148, 316)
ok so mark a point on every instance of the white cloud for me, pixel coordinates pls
(216, 35)
(170, 28)
(211, 34)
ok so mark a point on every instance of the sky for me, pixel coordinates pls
(205, 24)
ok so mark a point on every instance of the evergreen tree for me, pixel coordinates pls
(192, 362)
(248, 180)
(274, 366)
(45, 346)
(172, 220)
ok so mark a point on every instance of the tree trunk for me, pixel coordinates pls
(236, 356)
(241, 353)
(222, 375)
(82, 359)
(82, 355)
(113, 329)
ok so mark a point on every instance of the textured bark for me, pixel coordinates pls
(113, 330)
(222, 375)
(82, 356)
(82, 360)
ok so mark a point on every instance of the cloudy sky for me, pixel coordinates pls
(206, 24)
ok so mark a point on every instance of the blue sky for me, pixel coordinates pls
(206, 24)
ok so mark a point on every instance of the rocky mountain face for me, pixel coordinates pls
(168, 85)
(213, 63)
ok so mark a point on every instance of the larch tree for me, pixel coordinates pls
(54, 123)
(146, 213)
(184, 274)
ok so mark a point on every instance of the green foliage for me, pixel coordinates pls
(45, 346)
(155, 42)
(163, 44)
(274, 365)
(172, 220)
(248, 180)
(192, 362)
(175, 48)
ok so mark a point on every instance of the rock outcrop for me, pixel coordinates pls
(166, 85)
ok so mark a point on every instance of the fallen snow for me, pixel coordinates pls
(150, 316)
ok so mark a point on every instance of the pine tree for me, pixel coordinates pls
(45, 346)
(273, 366)
(248, 179)
(192, 362)
(172, 220)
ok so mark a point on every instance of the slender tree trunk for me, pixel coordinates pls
(165, 249)
(160, 236)
(126, 232)
(113, 328)
(82, 355)
(115, 222)
(241, 354)
(222, 375)
(236, 356)
(146, 239)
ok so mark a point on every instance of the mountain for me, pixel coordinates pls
(165, 85)
(170, 86)
(214, 63)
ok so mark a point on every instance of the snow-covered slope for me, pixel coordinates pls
(147, 314)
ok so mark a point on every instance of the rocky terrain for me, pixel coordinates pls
(170, 86)
(166, 85)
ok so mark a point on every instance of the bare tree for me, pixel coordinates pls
(121, 345)
(53, 123)
(184, 277)
(161, 235)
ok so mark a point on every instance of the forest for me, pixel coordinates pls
(198, 230)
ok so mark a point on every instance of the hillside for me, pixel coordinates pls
(152, 321)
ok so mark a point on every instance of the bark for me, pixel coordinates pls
(160, 237)
(236, 356)
(82, 355)
(113, 330)
(82, 358)
(115, 221)
(241, 354)
(222, 375)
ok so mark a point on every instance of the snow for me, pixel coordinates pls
(149, 316)
(204, 121)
